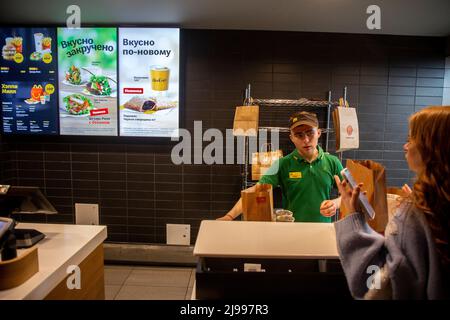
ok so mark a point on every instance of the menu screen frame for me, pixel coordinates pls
(118, 139)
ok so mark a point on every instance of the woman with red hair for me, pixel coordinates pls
(412, 260)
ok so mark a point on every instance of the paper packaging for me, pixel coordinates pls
(261, 161)
(257, 205)
(346, 127)
(246, 120)
(372, 175)
(395, 196)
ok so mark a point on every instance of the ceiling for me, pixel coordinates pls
(400, 17)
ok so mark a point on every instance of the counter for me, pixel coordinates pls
(64, 246)
(268, 260)
(256, 239)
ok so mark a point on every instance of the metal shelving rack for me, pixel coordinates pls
(301, 103)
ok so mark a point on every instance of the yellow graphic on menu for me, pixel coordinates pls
(18, 58)
(47, 58)
(295, 175)
(49, 88)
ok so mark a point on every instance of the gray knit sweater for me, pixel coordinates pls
(405, 257)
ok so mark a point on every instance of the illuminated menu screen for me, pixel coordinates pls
(28, 79)
(87, 64)
(90, 81)
(149, 81)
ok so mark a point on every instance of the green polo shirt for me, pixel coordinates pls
(304, 185)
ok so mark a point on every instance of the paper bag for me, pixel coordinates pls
(246, 120)
(395, 197)
(261, 161)
(346, 128)
(257, 205)
(372, 175)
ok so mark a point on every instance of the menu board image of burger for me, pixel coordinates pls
(149, 81)
(28, 51)
(87, 62)
(29, 107)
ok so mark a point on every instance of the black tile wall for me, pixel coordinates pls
(138, 188)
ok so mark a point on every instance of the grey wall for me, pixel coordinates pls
(139, 190)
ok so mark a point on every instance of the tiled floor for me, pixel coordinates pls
(148, 283)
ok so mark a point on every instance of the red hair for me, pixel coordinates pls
(430, 130)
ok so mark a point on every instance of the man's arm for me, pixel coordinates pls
(236, 211)
(328, 207)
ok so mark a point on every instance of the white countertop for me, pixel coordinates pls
(254, 239)
(63, 246)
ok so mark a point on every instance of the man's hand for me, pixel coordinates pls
(226, 217)
(328, 208)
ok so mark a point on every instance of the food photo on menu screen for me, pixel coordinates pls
(87, 62)
(149, 81)
(28, 107)
(28, 81)
(28, 51)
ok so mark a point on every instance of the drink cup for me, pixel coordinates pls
(159, 77)
(38, 41)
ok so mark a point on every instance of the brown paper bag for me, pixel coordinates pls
(257, 205)
(372, 175)
(346, 128)
(262, 161)
(246, 120)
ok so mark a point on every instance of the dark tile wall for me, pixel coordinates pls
(138, 188)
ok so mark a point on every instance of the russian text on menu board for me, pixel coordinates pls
(86, 46)
(143, 52)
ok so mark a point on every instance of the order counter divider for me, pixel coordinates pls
(268, 260)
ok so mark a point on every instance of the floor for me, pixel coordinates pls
(148, 283)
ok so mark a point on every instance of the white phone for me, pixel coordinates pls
(363, 201)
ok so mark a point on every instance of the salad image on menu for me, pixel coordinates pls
(149, 81)
(87, 60)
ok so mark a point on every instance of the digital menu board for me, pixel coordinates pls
(28, 68)
(64, 80)
(149, 81)
(28, 107)
(87, 63)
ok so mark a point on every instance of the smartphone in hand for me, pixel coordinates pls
(363, 201)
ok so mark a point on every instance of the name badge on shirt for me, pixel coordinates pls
(295, 175)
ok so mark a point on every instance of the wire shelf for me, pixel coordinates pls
(293, 103)
(284, 129)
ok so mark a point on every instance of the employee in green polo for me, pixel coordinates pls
(305, 175)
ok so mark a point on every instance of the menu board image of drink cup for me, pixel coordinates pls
(29, 107)
(87, 64)
(149, 81)
(28, 81)
(28, 51)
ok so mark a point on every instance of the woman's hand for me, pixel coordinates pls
(349, 197)
(406, 189)
(328, 208)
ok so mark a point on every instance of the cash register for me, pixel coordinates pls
(24, 200)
